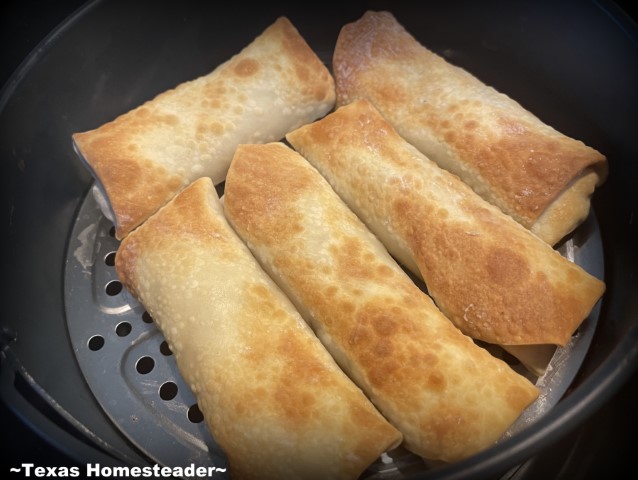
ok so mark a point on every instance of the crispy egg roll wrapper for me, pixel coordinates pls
(537, 175)
(144, 157)
(497, 281)
(272, 396)
(449, 397)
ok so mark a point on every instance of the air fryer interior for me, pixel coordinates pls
(123, 355)
(112, 56)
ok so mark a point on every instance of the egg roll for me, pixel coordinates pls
(447, 396)
(273, 397)
(494, 279)
(144, 157)
(539, 176)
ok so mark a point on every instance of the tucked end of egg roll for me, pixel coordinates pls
(147, 155)
(493, 278)
(537, 175)
(449, 397)
(272, 396)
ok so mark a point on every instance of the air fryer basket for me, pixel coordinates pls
(82, 362)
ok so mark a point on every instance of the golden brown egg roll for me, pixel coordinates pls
(272, 396)
(144, 157)
(496, 281)
(537, 175)
(447, 396)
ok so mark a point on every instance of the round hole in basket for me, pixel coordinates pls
(145, 365)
